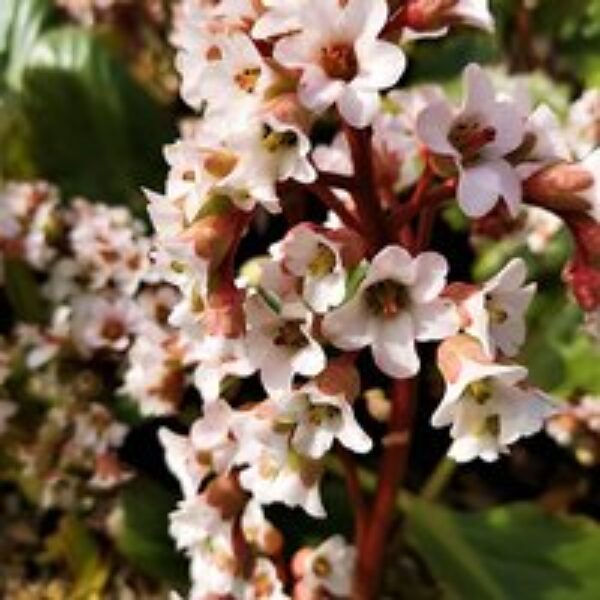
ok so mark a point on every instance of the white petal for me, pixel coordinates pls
(431, 270)
(381, 64)
(435, 320)
(394, 348)
(347, 327)
(481, 186)
(433, 125)
(358, 106)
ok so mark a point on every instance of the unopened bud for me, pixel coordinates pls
(584, 281)
(560, 187)
(340, 377)
(212, 236)
(427, 15)
(225, 494)
(453, 351)
(287, 109)
(224, 313)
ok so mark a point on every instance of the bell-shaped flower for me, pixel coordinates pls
(478, 138)
(397, 303)
(340, 57)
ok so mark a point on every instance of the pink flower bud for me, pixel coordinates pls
(584, 280)
(560, 187)
(340, 377)
(224, 314)
(454, 350)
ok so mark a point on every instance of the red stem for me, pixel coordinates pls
(333, 203)
(368, 203)
(392, 469)
(354, 492)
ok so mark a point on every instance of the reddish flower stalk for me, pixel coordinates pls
(392, 469)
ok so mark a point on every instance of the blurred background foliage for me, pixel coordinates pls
(89, 108)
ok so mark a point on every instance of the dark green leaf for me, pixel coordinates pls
(94, 130)
(508, 553)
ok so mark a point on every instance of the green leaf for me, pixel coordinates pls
(509, 553)
(94, 130)
(21, 24)
(143, 536)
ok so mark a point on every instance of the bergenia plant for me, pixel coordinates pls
(288, 314)
(284, 346)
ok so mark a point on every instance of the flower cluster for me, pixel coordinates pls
(278, 345)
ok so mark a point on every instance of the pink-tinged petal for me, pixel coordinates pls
(480, 93)
(431, 271)
(481, 186)
(393, 262)
(358, 107)
(276, 373)
(348, 326)
(394, 348)
(433, 125)
(509, 127)
(510, 278)
(365, 18)
(435, 320)
(381, 63)
(317, 92)
(295, 51)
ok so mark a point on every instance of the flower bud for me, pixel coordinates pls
(225, 494)
(584, 281)
(224, 313)
(452, 352)
(560, 187)
(425, 15)
(340, 377)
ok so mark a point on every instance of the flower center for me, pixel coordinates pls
(491, 426)
(469, 136)
(113, 329)
(220, 163)
(272, 140)
(321, 567)
(339, 61)
(317, 415)
(323, 262)
(247, 79)
(480, 391)
(497, 314)
(290, 335)
(386, 298)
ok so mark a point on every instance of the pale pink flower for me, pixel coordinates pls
(477, 137)
(318, 419)
(340, 57)
(330, 567)
(489, 406)
(496, 310)
(395, 305)
(311, 255)
(280, 343)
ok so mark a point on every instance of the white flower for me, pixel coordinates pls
(209, 447)
(218, 357)
(182, 460)
(318, 419)
(330, 566)
(584, 123)
(313, 256)
(489, 407)
(154, 378)
(340, 57)
(103, 323)
(395, 305)
(280, 344)
(242, 76)
(478, 137)
(273, 471)
(497, 311)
